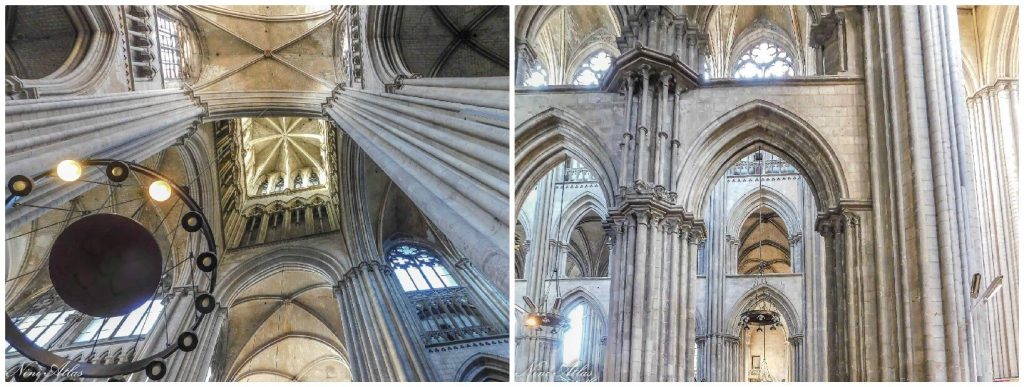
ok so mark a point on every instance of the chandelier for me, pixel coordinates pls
(761, 315)
(105, 265)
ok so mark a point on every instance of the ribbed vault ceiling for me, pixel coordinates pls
(284, 145)
(286, 327)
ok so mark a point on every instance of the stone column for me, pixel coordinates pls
(128, 126)
(381, 344)
(993, 114)
(537, 361)
(796, 364)
(449, 156)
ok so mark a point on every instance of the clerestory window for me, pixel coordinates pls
(765, 60)
(593, 69)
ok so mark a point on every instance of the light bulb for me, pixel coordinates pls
(160, 190)
(69, 170)
(532, 321)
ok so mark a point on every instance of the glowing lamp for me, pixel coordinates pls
(69, 170)
(160, 190)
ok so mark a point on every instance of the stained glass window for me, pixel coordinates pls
(418, 268)
(765, 60)
(593, 69)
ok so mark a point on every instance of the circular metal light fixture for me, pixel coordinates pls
(117, 171)
(156, 369)
(69, 170)
(192, 221)
(206, 262)
(20, 185)
(188, 341)
(104, 264)
(160, 191)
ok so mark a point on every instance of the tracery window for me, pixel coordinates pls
(264, 188)
(765, 60)
(314, 179)
(537, 77)
(593, 69)
(419, 269)
(139, 322)
(297, 183)
(174, 49)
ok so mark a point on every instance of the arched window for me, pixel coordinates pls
(137, 323)
(419, 269)
(593, 69)
(175, 48)
(572, 340)
(314, 179)
(298, 183)
(765, 60)
(537, 77)
(279, 186)
(264, 188)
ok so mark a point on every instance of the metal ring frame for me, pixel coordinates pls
(27, 347)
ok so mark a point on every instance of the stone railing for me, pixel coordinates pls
(449, 315)
(753, 168)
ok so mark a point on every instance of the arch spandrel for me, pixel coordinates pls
(549, 138)
(740, 132)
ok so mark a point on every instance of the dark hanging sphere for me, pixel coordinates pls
(117, 171)
(156, 369)
(116, 379)
(105, 265)
(192, 221)
(20, 185)
(27, 373)
(205, 303)
(206, 261)
(188, 341)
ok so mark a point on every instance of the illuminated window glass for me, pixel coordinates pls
(174, 50)
(572, 341)
(765, 60)
(139, 322)
(593, 69)
(537, 77)
(419, 269)
(42, 328)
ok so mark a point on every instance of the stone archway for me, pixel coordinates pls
(551, 137)
(841, 221)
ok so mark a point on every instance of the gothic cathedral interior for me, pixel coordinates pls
(766, 193)
(257, 193)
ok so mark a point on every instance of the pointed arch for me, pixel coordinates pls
(772, 198)
(576, 210)
(741, 131)
(483, 368)
(549, 138)
(790, 316)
